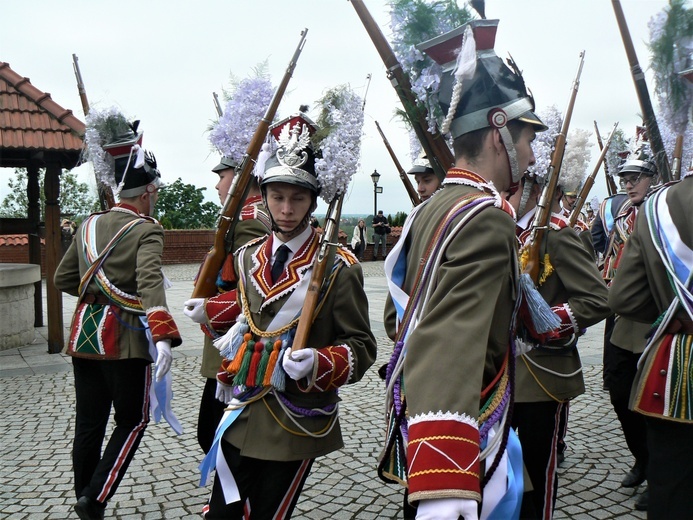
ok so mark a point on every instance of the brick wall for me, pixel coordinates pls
(187, 246)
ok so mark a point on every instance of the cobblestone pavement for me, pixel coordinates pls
(37, 416)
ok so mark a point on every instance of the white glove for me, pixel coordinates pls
(163, 358)
(298, 364)
(224, 392)
(195, 310)
(447, 509)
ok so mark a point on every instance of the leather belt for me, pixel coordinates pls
(99, 299)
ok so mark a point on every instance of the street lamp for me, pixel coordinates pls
(375, 176)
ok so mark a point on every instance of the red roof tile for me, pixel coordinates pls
(31, 120)
(16, 240)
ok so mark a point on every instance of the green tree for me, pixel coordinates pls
(77, 199)
(182, 206)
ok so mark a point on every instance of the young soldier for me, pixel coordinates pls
(653, 285)
(549, 372)
(216, 314)
(284, 412)
(427, 182)
(453, 360)
(624, 339)
(120, 326)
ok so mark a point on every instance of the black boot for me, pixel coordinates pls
(635, 476)
(642, 501)
(89, 509)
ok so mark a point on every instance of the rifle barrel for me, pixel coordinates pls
(413, 195)
(434, 144)
(660, 154)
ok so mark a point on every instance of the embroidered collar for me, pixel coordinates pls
(126, 208)
(469, 178)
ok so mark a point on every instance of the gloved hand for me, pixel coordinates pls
(163, 358)
(195, 309)
(224, 392)
(447, 509)
(298, 364)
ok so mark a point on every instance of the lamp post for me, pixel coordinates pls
(375, 176)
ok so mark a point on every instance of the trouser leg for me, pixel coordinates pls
(619, 373)
(211, 411)
(92, 409)
(271, 488)
(128, 381)
(670, 472)
(537, 427)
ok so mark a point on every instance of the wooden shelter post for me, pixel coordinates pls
(33, 193)
(51, 188)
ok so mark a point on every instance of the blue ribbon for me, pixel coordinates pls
(210, 461)
(509, 506)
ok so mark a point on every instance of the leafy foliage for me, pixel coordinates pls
(182, 206)
(77, 199)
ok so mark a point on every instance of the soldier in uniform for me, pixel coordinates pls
(216, 313)
(549, 371)
(624, 339)
(427, 182)
(453, 280)
(653, 285)
(284, 407)
(121, 325)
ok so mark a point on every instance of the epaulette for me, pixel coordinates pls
(558, 221)
(253, 242)
(346, 256)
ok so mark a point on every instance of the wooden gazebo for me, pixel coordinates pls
(35, 133)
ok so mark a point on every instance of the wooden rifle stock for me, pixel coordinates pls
(543, 214)
(589, 181)
(676, 159)
(327, 242)
(413, 195)
(655, 138)
(106, 198)
(434, 144)
(205, 286)
(611, 187)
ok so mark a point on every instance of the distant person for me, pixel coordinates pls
(358, 240)
(381, 228)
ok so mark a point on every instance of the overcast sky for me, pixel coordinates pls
(160, 61)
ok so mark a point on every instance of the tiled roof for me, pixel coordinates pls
(31, 121)
(16, 240)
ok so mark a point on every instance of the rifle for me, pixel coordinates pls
(589, 181)
(205, 284)
(660, 154)
(328, 241)
(676, 160)
(610, 183)
(543, 214)
(434, 144)
(106, 198)
(413, 195)
(217, 105)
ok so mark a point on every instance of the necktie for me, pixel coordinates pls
(279, 261)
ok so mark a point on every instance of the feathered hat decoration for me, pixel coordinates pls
(671, 48)
(110, 136)
(338, 139)
(230, 135)
(575, 161)
(416, 21)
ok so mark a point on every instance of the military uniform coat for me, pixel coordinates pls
(642, 291)
(573, 287)
(345, 349)
(460, 343)
(132, 281)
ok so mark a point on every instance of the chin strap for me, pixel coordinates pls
(515, 172)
